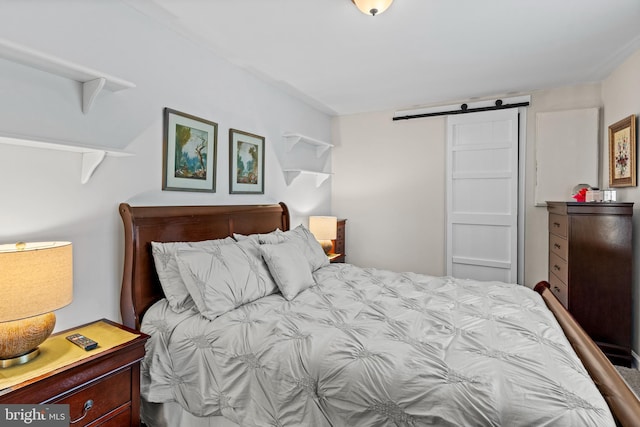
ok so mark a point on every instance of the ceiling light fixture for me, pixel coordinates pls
(372, 7)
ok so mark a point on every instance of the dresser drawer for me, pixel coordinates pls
(558, 225)
(559, 267)
(559, 246)
(560, 289)
(102, 397)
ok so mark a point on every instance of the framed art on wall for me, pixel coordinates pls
(622, 153)
(189, 152)
(246, 163)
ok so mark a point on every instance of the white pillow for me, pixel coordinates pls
(167, 268)
(225, 277)
(306, 243)
(288, 267)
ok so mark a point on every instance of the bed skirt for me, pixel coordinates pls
(171, 414)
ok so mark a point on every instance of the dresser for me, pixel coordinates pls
(590, 270)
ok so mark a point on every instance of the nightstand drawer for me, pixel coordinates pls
(103, 396)
(123, 419)
(558, 224)
(559, 267)
(559, 246)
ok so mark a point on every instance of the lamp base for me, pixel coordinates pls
(19, 339)
(19, 360)
(327, 245)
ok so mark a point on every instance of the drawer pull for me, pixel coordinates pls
(556, 224)
(557, 246)
(557, 289)
(87, 407)
(555, 267)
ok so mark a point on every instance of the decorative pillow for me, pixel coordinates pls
(306, 243)
(222, 278)
(289, 268)
(167, 268)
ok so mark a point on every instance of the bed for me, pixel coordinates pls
(352, 347)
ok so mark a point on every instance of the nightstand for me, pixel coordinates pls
(101, 386)
(337, 253)
(336, 258)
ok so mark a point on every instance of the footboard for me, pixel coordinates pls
(623, 402)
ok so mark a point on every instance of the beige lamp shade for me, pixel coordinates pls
(323, 227)
(35, 278)
(372, 7)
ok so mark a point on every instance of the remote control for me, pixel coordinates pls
(82, 341)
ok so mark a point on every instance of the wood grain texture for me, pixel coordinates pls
(591, 257)
(20, 336)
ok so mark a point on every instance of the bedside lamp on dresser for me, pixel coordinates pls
(35, 280)
(323, 229)
(330, 232)
(98, 384)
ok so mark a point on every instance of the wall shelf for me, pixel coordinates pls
(93, 81)
(291, 174)
(92, 157)
(291, 139)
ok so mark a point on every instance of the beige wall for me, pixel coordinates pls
(536, 239)
(621, 98)
(389, 183)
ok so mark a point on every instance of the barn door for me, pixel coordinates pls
(482, 195)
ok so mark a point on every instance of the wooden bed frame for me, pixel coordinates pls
(142, 225)
(141, 287)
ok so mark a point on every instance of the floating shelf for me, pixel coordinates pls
(291, 174)
(91, 156)
(93, 81)
(291, 139)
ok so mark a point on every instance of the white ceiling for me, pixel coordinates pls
(417, 53)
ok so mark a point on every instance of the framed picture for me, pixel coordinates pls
(622, 153)
(189, 152)
(246, 163)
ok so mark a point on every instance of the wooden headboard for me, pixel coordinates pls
(142, 225)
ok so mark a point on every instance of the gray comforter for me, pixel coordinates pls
(367, 347)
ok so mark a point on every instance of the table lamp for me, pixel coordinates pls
(35, 279)
(324, 229)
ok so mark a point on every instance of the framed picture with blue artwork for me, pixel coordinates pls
(246, 163)
(189, 152)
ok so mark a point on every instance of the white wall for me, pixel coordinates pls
(621, 98)
(42, 197)
(389, 183)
